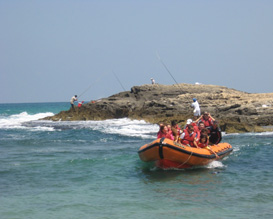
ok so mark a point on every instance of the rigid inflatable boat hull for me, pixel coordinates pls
(168, 153)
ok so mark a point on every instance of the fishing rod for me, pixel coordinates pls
(85, 90)
(89, 87)
(118, 80)
(166, 68)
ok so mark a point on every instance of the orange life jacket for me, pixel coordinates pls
(167, 135)
(202, 145)
(207, 122)
(195, 127)
(188, 138)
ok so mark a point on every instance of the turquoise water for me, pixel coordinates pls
(90, 169)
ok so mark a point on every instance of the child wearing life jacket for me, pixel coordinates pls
(203, 142)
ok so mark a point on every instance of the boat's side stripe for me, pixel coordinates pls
(183, 151)
(161, 148)
(199, 155)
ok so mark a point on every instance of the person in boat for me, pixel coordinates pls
(203, 142)
(206, 118)
(169, 128)
(196, 109)
(190, 122)
(176, 131)
(160, 125)
(201, 125)
(73, 99)
(188, 137)
(215, 134)
(175, 134)
(164, 133)
(202, 130)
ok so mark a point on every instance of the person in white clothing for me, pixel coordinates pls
(196, 109)
(153, 81)
(73, 99)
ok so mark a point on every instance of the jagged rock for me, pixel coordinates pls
(236, 111)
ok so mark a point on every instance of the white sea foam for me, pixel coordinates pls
(123, 127)
(215, 164)
(40, 128)
(126, 127)
(263, 133)
(249, 134)
(16, 121)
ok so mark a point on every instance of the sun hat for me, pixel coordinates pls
(189, 121)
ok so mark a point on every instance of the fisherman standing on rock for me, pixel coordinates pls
(73, 99)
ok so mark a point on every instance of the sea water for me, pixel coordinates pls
(91, 169)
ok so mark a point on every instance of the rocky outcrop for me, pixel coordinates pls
(236, 111)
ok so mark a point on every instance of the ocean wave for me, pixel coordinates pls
(16, 121)
(122, 127)
(126, 127)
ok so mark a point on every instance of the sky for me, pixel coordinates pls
(51, 50)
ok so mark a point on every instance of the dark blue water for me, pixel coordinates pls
(90, 169)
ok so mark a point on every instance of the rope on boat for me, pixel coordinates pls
(187, 159)
(210, 149)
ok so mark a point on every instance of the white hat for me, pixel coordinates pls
(189, 121)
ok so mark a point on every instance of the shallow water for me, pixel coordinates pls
(92, 170)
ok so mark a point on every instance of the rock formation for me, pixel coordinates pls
(235, 110)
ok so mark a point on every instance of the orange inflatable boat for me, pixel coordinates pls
(169, 154)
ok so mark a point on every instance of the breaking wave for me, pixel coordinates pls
(125, 126)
